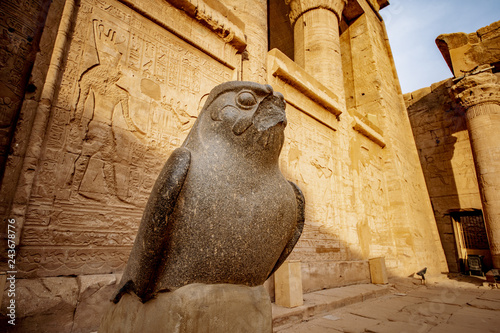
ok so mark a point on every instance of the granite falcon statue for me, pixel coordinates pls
(220, 211)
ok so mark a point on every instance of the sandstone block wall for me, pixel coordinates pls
(445, 153)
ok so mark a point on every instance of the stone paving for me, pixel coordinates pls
(442, 305)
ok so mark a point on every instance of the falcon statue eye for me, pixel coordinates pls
(246, 100)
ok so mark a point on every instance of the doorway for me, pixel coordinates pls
(474, 256)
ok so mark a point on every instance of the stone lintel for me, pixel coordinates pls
(446, 42)
(218, 18)
(382, 4)
(210, 13)
(352, 10)
(376, 4)
(370, 131)
(299, 7)
(279, 65)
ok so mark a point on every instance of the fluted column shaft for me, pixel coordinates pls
(480, 95)
(317, 40)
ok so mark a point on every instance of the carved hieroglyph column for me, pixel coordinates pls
(480, 95)
(317, 40)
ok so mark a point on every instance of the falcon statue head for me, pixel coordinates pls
(241, 112)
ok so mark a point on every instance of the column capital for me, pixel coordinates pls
(299, 7)
(472, 90)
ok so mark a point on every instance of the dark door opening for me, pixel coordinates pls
(472, 242)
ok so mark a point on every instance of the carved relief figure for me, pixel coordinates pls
(92, 133)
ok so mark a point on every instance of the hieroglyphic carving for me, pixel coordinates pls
(309, 160)
(212, 35)
(68, 261)
(21, 23)
(130, 91)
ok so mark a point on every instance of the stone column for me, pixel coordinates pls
(317, 40)
(479, 94)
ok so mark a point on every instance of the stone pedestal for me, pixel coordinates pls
(193, 308)
(288, 284)
(317, 40)
(480, 95)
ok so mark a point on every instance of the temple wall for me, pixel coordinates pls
(445, 153)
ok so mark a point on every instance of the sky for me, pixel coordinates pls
(413, 25)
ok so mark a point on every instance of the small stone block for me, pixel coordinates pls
(288, 284)
(378, 272)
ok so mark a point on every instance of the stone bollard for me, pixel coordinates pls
(378, 272)
(288, 284)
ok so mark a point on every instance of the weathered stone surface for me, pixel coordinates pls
(440, 131)
(220, 211)
(60, 304)
(428, 309)
(317, 40)
(193, 308)
(254, 14)
(21, 27)
(350, 168)
(95, 292)
(44, 305)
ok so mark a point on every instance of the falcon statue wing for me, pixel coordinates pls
(141, 271)
(298, 228)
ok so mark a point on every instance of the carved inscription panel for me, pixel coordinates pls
(309, 159)
(342, 177)
(129, 94)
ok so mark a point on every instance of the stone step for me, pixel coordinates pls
(322, 301)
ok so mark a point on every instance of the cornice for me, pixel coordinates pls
(216, 17)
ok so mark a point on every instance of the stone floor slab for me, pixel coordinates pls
(485, 304)
(450, 306)
(476, 318)
(320, 302)
(398, 327)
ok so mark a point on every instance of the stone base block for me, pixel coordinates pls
(59, 304)
(331, 274)
(193, 308)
